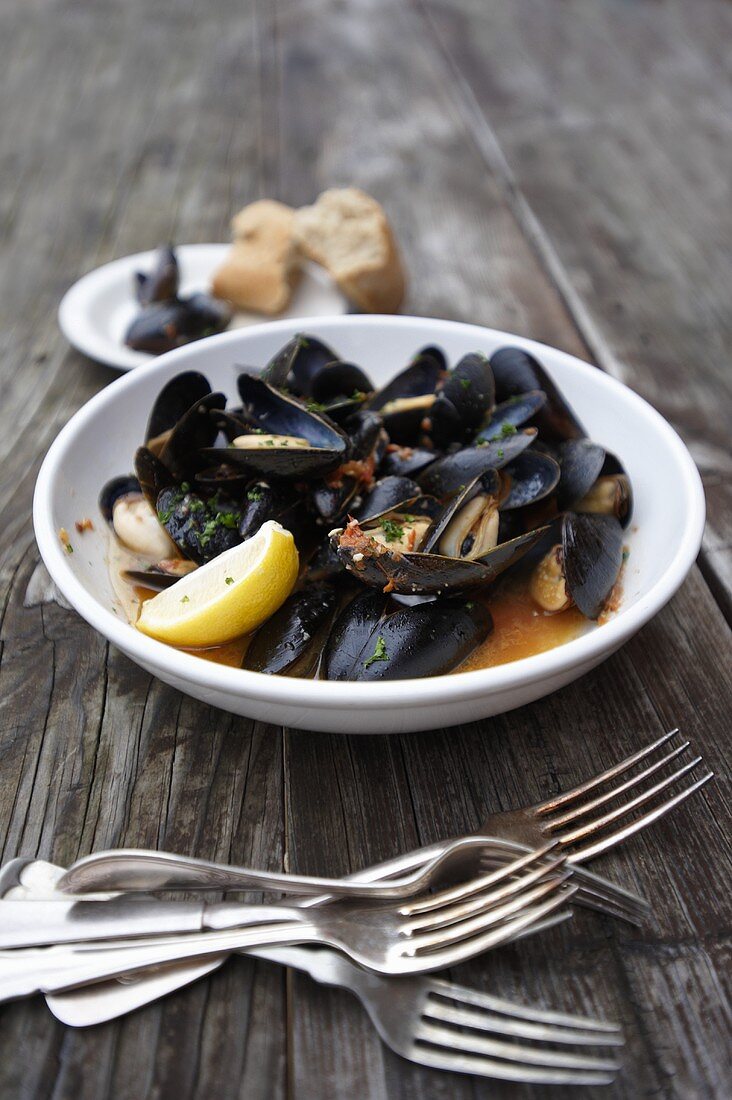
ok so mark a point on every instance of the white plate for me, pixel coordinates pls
(95, 312)
(99, 442)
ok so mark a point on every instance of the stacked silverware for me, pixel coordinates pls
(98, 943)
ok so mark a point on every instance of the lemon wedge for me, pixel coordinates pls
(229, 596)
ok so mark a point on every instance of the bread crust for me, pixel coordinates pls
(348, 233)
(264, 265)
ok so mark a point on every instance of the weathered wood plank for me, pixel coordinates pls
(177, 118)
(610, 128)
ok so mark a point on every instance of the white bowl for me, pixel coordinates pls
(100, 440)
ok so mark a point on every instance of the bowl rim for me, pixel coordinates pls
(237, 682)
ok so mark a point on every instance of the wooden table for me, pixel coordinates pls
(559, 170)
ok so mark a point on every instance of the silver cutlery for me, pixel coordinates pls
(67, 919)
(653, 757)
(426, 1020)
(127, 869)
(412, 936)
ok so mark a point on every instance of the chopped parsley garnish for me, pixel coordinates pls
(469, 606)
(500, 452)
(357, 395)
(68, 548)
(392, 530)
(164, 514)
(185, 487)
(626, 555)
(227, 519)
(379, 653)
(315, 406)
(228, 580)
(255, 494)
(466, 383)
(185, 599)
(506, 431)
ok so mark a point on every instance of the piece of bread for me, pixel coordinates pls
(348, 233)
(264, 265)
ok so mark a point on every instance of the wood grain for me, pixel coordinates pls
(543, 178)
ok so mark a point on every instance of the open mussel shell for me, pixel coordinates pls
(465, 398)
(529, 478)
(515, 372)
(592, 548)
(174, 400)
(183, 449)
(448, 474)
(511, 414)
(593, 481)
(418, 573)
(582, 565)
(296, 364)
(113, 491)
(464, 516)
(289, 440)
(289, 642)
(160, 284)
(152, 475)
(377, 638)
(407, 399)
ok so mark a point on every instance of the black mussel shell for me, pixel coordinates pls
(297, 363)
(230, 479)
(488, 483)
(172, 403)
(182, 451)
(258, 504)
(115, 489)
(419, 379)
(325, 565)
(418, 573)
(450, 473)
(387, 495)
(530, 477)
(463, 402)
(405, 461)
(363, 429)
(511, 414)
(340, 380)
(275, 414)
(288, 642)
(330, 502)
(581, 461)
(611, 494)
(377, 638)
(516, 371)
(152, 475)
(201, 529)
(155, 578)
(162, 326)
(592, 552)
(160, 284)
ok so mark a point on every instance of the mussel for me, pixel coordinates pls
(289, 641)
(516, 372)
(288, 440)
(160, 284)
(133, 520)
(407, 400)
(582, 565)
(377, 638)
(431, 549)
(593, 480)
(164, 325)
(463, 401)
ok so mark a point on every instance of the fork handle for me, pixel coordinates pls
(26, 971)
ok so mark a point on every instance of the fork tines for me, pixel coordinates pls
(559, 817)
(463, 1030)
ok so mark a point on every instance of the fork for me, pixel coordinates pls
(412, 937)
(116, 1003)
(125, 869)
(433, 1022)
